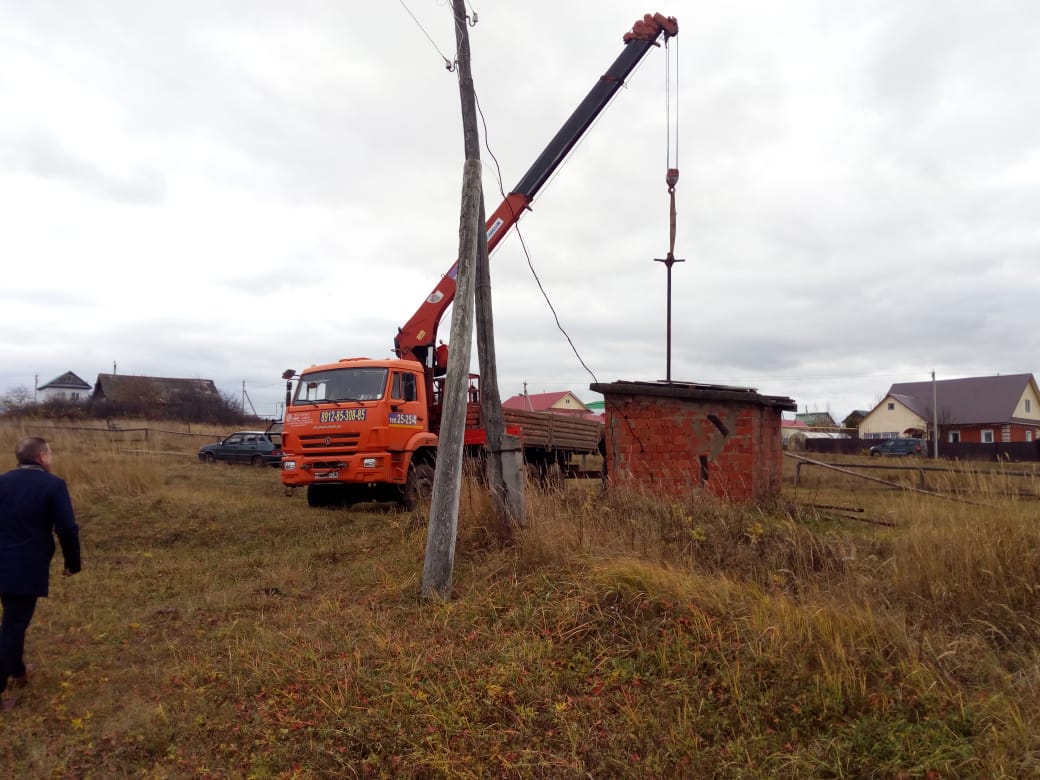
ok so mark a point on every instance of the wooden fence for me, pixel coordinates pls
(116, 432)
(1015, 452)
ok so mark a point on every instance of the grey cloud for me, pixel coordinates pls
(43, 155)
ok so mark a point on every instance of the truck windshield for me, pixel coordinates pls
(341, 384)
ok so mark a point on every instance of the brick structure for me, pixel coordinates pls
(675, 438)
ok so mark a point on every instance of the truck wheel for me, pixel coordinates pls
(419, 487)
(325, 495)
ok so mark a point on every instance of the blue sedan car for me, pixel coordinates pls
(253, 447)
(903, 447)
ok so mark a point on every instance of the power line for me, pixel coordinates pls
(527, 254)
(448, 64)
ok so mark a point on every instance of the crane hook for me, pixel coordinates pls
(672, 178)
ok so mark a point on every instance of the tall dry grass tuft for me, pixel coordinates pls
(766, 546)
(960, 565)
(107, 467)
(938, 599)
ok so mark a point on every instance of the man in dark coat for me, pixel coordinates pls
(34, 505)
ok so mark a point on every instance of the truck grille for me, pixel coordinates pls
(329, 445)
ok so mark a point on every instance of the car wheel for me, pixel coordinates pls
(874, 454)
(258, 461)
(418, 488)
(209, 457)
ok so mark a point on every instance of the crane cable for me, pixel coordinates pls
(671, 164)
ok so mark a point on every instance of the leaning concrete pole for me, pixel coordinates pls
(505, 462)
(447, 479)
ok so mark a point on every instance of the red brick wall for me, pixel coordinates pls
(973, 433)
(660, 443)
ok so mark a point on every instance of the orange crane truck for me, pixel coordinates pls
(363, 429)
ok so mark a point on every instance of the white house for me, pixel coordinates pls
(67, 387)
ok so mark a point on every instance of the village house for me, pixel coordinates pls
(986, 409)
(129, 388)
(153, 395)
(67, 387)
(818, 421)
(560, 402)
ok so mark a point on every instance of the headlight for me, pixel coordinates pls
(368, 463)
(288, 465)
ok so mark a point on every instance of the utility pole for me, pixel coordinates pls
(504, 454)
(447, 479)
(935, 419)
(247, 399)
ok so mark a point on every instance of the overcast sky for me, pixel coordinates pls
(228, 189)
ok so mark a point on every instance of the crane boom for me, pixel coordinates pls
(416, 338)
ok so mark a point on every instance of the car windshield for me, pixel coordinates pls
(341, 384)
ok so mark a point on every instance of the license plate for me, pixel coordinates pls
(327, 475)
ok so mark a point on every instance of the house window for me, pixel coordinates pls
(1027, 405)
(891, 406)
(1029, 435)
(955, 436)
(987, 436)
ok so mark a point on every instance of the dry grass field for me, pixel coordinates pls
(221, 629)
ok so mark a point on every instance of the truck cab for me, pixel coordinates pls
(354, 430)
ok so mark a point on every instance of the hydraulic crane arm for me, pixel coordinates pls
(415, 340)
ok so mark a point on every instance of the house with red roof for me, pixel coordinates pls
(789, 427)
(982, 409)
(563, 402)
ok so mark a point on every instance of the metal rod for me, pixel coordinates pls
(668, 262)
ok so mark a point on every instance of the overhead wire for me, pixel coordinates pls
(527, 253)
(516, 224)
(530, 264)
(448, 64)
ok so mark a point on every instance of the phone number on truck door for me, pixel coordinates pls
(342, 415)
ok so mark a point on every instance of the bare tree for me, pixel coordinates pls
(17, 398)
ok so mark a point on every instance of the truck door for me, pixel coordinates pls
(407, 411)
